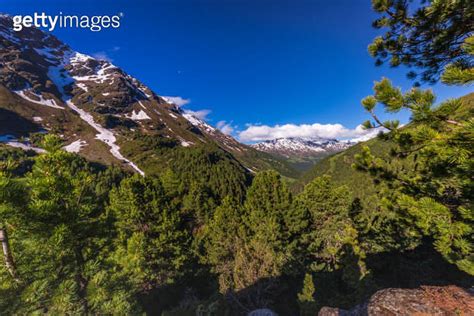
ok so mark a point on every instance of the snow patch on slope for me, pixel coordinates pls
(12, 141)
(42, 101)
(104, 135)
(82, 86)
(186, 143)
(25, 146)
(75, 146)
(141, 115)
(198, 123)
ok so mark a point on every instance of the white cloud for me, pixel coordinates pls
(179, 101)
(367, 134)
(102, 56)
(200, 114)
(255, 133)
(224, 127)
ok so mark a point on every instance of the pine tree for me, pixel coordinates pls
(151, 243)
(246, 245)
(57, 240)
(61, 214)
(267, 205)
(320, 220)
(430, 190)
(306, 296)
(461, 72)
(13, 196)
(428, 36)
(262, 256)
(199, 203)
(223, 237)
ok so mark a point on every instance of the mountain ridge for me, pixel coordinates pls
(300, 146)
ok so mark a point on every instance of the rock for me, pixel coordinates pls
(262, 312)
(427, 300)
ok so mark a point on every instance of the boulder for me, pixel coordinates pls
(427, 300)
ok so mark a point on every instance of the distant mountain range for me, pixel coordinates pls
(302, 147)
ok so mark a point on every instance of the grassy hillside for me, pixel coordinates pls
(265, 161)
(338, 166)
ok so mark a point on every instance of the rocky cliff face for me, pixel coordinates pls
(427, 300)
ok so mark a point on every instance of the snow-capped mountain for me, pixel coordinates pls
(96, 106)
(302, 147)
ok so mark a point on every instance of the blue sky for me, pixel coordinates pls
(248, 62)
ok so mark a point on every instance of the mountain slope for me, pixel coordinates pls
(95, 106)
(338, 166)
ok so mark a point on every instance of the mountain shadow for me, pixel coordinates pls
(11, 121)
